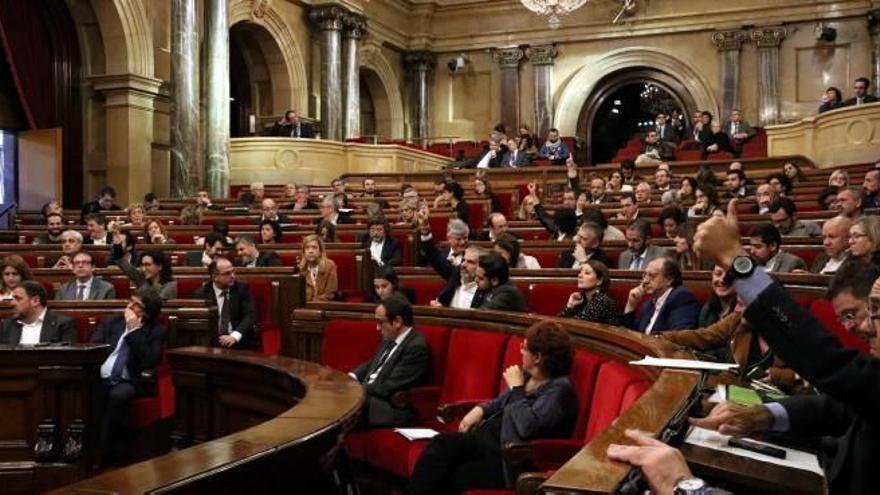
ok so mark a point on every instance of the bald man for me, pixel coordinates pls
(269, 211)
(835, 240)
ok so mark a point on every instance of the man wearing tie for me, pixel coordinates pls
(514, 158)
(401, 362)
(738, 131)
(291, 126)
(235, 305)
(672, 305)
(136, 340)
(640, 252)
(665, 131)
(860, 93)
(85, 287)
(32, 322)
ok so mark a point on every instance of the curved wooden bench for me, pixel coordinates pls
(650, 399)
(270, 422)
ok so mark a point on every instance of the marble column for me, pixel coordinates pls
(329, 20)
(729, 44)
(217, 97)
(874, 29)
(355, 26)
(508, 59)
(420, 64)
(542, 66)
(186, 170)
(767, 41)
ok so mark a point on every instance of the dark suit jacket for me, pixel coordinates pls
(392, 254)
(521, 160)
(566, 258)
(450, 273)
(265, 258)
(680, 311)
(849, 379)
(505, 297)
(193, 258)
(406, 368)
(665, 149)
(669, 134)
(310, 205)
(56, 328)
(866, 99)
(145, 344)
(287, 130)
(281, 219)
(242, 312)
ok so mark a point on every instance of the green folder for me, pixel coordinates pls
(748, 397)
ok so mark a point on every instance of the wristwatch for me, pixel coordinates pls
(691, 486)
(742, 267)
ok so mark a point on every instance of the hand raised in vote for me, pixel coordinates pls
(717, 241)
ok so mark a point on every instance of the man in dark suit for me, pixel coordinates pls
(301, 199)
(835, 241)
(97, 226)
(640, 251)
(492, 158)
(848, 407)
(401, 362)
(249, 256)
(33, 323)
(738, 131)
(655, 151)
(106, 201)
(384, 248)
(292, 126)
(514, 158)
(136, 340)
(665, 132)
(203, 200)
(330, 211)
(493, 279)
(461, 289)
(496, 225)
(215, 243)
(85, 287)
(586, 247)
(737, 186)
(235, 304)
(672, 305)
(860, 93)
(269, 211)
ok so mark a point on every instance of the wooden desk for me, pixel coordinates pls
(282, 420)
(49, 399)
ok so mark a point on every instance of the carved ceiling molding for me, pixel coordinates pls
(542, 54)
(726, 41)
(508, 57)
(768, 37)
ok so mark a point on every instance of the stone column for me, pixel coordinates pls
(874, 29)
(542, 65)
(729, 44)
(508, 59)
(355, 25)
(186, 169)
(420, 65)
(767, 41)
(328, 20)
(129, 103)
(217, 97)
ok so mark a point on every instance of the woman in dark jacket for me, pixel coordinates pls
(385, 283)
(591, 302)
(539, 403)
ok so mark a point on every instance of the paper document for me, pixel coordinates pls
(412, 434)
(796, 459)
(687, 364)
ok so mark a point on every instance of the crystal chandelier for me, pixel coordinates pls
(553, 8)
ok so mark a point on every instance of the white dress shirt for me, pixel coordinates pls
(30, 332)
(218, 293)
(376, 251)
(463, 296)
(484, 162)
(658, 305)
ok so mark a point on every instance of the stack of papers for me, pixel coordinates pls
(795, 459)
(413, 434)
(686, 364)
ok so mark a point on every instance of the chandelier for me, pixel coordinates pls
(553, 8)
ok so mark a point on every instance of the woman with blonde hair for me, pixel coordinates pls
(318, 270)
(137, 215)
(839, 178)
(864, 240)
(13, 271)
(526, 209)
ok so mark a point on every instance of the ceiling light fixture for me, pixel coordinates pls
(553, 8)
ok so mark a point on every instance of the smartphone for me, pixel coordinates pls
(744, 443)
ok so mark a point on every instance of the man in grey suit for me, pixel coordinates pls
(640, 252)
(765, 246)
(401, 362)
(738, 131)
(32, 322)
(85, 287)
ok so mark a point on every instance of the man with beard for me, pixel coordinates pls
(54, 228)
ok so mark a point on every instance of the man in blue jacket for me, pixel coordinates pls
(672, 306)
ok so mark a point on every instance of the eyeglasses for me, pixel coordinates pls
(857, 236)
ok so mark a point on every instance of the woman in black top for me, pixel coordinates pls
(484, 191)
(454, 195)
(591, 302)
(832, 99)
(385, 283)
(539, 403)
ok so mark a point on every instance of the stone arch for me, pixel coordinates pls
(290, 85)
(127, 36)
(372, 58)
(575, 94)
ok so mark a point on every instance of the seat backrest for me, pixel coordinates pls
(261, 290)
(584, 372)
(822, 310)
(608, 396)
(346, 269)
(425, 289)
(186, 287)
(473, 365)
(549, 298)
(438, 340)
(512, 356)
(348, 343)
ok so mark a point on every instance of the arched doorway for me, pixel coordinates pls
(375, 106)
(624, 102)
(257, 78)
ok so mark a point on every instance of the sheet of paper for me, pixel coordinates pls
(795, 459)
(687, 364)
(417, 433)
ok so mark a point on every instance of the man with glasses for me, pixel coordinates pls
(783, 214)
(237, 316)
(136, 340)
(671, 306)
(384, 248)
(85, 287)
(71, 243)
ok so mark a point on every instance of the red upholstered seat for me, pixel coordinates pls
(186, 287)
(348, 343)
(609, 396)
(548, 299)
(291, 237)
(426, 289)
(546, 258)
(346, 270)
(122, 286)
(404, 239)
(438, 227)
(145, 411)
(505, 199)
(807, 253)
(476, 215)
(822, 310)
